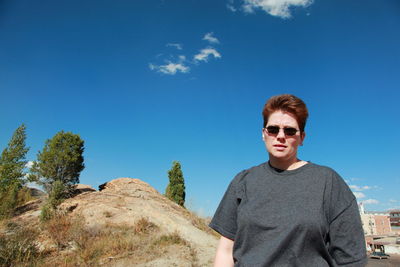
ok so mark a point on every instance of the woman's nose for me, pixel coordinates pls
(281, 133)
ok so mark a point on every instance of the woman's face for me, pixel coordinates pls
(280, 146)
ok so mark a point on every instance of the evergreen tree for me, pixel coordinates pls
(60, 160)
(12, 160)
(176, 187)
(12, 165)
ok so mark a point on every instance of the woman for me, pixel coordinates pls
(288, 212)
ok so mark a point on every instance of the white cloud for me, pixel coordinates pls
(177, 46)
(370, 201)
(211, 38)
(278, 8)
(359, 195)
(178, 63)
(360, 188)
(230, 6)
(205, 53)
(170, 68)
(393, 201)
(29, 164)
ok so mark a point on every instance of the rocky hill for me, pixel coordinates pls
(180, 238)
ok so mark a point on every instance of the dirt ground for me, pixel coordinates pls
(393, 261)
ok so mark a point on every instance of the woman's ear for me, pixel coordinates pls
(302, 136)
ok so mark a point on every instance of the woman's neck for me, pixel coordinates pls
(286, 165)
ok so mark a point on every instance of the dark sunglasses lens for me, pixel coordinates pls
(273, 129)
(290, 131)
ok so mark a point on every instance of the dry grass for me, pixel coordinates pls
(107, 214)
(78, 245)
(170, 239)
(60, 230)
(18, 247)
(175, 239)
(145, 226)
(200, 223)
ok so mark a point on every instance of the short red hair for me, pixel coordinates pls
(287, 103)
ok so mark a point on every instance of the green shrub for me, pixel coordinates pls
(11, 198)
(24, 195)
(8, 201)
(46, 213)
(57, 195)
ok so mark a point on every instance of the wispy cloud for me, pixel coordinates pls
(278, 8)
(177, 46)
(360, 188)
(206, 53)
(359, 195)
(370, 201)
(170, 68)
(211, 38)
(173, 63)
(393, 201)
(230, 6)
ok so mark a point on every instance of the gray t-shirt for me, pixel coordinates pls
(302, 217)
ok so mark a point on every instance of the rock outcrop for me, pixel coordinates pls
(126, 200)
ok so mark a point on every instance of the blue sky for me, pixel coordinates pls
(148, 82)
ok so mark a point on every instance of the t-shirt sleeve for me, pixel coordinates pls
(347, 242)
(224, 220)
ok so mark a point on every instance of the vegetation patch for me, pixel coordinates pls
(18, 247)
(144, 226)
(79, 245)
(175, 239)
(200, 223)
(107, 214)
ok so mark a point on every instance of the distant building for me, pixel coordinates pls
(382, 224)
(368, 224)
(395, 218)
(375, 223)
(361, 208)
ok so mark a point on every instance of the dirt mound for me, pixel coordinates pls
(124, 201)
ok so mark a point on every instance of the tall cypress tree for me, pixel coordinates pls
(175, 190)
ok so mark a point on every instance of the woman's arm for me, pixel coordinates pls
(224, 257)
(347, 243)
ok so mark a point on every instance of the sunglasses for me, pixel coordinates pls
(289, 131)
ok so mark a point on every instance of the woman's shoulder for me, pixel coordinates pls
(322, 169)
(244, 174)
(333, 180)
